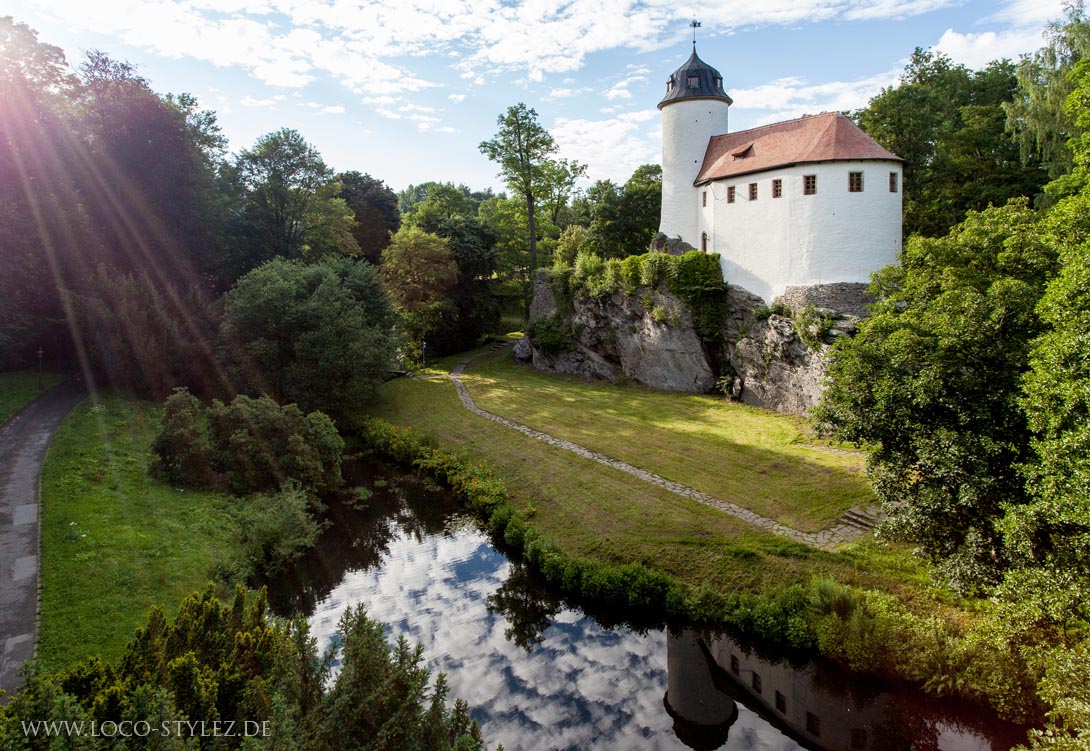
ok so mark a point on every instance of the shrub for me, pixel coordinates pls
(249, 446)
(183, 449)
(551, 335)
(275, 528)
(812, 327)
(260, 445)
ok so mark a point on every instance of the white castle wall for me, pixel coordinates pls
(770, 244)
(687, 125)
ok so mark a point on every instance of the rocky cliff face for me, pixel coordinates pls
(649, 337)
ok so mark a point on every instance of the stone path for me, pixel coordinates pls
(852, 523)
(24, 441)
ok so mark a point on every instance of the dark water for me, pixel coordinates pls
(541, 674)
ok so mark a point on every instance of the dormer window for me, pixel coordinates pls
(669, 84)
(718, 82)
(742, 153)
(694, 82)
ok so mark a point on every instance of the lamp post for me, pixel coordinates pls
(40, 384)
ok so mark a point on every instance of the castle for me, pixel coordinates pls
(798, 205)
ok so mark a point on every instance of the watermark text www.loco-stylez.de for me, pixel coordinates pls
(142, 729)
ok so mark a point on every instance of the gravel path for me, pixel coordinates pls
(852, 524)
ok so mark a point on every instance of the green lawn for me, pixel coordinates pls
(114, 541)
(766, 462)
(594, 511)
(20, 386)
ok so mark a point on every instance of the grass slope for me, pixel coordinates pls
(19, 387)
(591, 510)
(766, 462)
(115, 541)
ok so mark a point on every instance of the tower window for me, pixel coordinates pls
(694, 82)
(703, 242)
(704, 198)
(756, 682)
(753, 191)
(730, 194)
(892, 182)
(734, 668)
(855, 182)
(809, 184)
(777, 188)
(781, 703)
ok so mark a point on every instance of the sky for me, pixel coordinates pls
(405, 90)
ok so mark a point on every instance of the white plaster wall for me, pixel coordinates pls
(686, 128)
(770, 244)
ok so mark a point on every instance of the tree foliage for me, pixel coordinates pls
(290, 205)
(948, 124)
(524, 149)
(318, 335)
(1036, 114)
(420, 272)
(233, 663)
(375, 208)
(931, 383)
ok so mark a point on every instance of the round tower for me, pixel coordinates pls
(693, 110)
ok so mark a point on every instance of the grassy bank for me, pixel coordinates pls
(769, 463)
(114, 541)
(21, 386)
(602, 514)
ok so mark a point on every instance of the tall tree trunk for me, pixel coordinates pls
(533, 252)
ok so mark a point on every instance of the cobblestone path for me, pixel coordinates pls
(851, 524)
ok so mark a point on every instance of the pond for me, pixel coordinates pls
(540, 673)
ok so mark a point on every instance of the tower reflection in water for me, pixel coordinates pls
(815, 706)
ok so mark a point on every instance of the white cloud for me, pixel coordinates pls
(289, 43)
(611, 148)
(565, 93)
(456, 98)
(618, 92)
(249, 101)
(334, 109)
(785, 98)
(1022, 13)
(976, 50)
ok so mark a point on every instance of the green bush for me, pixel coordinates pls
(274, 529)
(812, 327)
(260, 445)
(694, 277)
(249, 446)
(183, 449)
(551, 335)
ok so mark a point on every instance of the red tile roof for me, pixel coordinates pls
(816, 138)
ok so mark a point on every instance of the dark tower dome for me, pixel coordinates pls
(694, 80)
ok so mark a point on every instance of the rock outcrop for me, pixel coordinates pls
(773, 358)
(647, 337)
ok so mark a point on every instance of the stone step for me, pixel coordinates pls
(857, 519)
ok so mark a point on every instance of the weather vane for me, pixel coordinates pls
(696, 25)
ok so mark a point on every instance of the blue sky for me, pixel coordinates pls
(406, 89)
